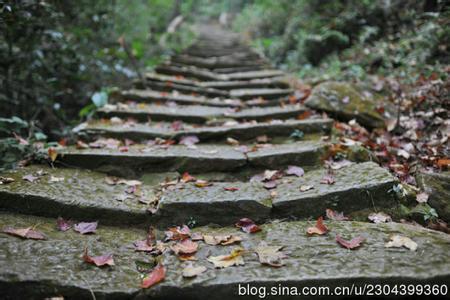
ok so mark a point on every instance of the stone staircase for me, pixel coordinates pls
(243, 114)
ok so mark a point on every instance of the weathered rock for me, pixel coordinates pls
(358, 186)
(233, 60)
(244, 131)
(198, 113)
(40, 269)
(437, 186)
(348, 101)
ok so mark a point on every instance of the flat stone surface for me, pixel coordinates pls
(233, 60)
(249, 130)
(54, 267)
(141, 158)
(80, 194)
(198, 113)
(276, 82)
(305, 153)
(164, 97)
(263, 93)
(358, 186)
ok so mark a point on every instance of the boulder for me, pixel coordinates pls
(437, 186)
(350, 101)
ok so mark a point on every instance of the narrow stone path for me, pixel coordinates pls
(220, 113)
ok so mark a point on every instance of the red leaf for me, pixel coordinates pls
(337, 216)
(294, 170)
(231, 188)
(102, 260)
(247, 225)
(156, 275)
(26, 233)
(85, 227)
(186, 177)
(178, 233)
(186, 246)
(319, 229)
(63, 225)
(352, 244)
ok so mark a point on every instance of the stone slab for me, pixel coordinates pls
(40, 269)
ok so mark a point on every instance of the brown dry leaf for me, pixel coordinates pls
(336, 216)
(156, 275)
(102, 260)
(319, 229)
(270, 255)
(178, 233)
(352, 244)
(6, 180)
(186, 177)
(221, 239)
(26, 233)
(398, 241)
(186, 246)
(192, 271)
(247, 225)
(422, 197)
(224, 261)
(232, 141)
(52, 154)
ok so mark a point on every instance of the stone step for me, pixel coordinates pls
(198, 113)
(275, 82)
(206, 75)
(143, 158)
(85, 195)
(54, 267)
(238, 69)
(247, 94)
(152, 96)
(243, 131)
(234, 60)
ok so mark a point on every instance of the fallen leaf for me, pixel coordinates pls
(380, 217)
(422, 197)
(186, 246)
(147, 245)
(294, 170)
(6, 180)
(336, 216)
(202, 183)
(336, 165)
(398, 241)
(186, 177)
(232, 141)
(328, 179)
(196, 236)
(177, 233)
(270, 175)
(270, 255)
(270, 184)
(305, 188)
(319, 229)
(352, 244)
(55, 179)
(26, 233)
(30, 178)
(247, 225)
(63, 225)
(189, 140)
(85, 227)
(231, 188)
(192, 271)
(221, 239)
(262, 139)
(224, 261)
(155, 276)
(81, 145)
(102, 260)
(52, 154)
